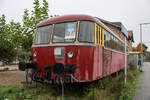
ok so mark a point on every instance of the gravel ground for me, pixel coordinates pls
(142, 91)
(12, 78)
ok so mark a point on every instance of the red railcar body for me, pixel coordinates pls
(92, 61)
(89, 61)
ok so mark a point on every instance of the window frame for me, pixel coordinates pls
(93, 32)
(64, 39)
(35, 36)
(120, 46)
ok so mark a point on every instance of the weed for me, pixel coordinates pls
(108, 88)
(5, 69)
(129, 89)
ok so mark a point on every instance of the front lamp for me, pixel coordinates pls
(34, 55)
(70, 54)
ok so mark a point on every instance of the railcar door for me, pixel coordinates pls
(99, 50)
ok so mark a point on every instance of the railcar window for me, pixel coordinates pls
(107, 41)
(43, 35)
(105, 35)
(113, 42)
(65, 32)
(120, 46)
(86, 31)
(59, 32)
(101, 31)
(97, 34)
(105, 38)
(111, 39)
(117, 43)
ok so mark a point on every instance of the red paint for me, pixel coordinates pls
(89, 61)
(83, 62)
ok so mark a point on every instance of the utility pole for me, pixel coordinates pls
(141, 47)
(125, 61)
(142, 43)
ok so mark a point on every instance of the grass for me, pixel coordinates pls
(109, 88)
(113, 88)
(21, 93)
(129, 89)
(5, 69)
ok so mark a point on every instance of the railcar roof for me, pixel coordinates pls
(67, 18)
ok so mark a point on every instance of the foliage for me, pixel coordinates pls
(129, 89)
(5, 69)
(113, 88)
(16, 38)
(109, 88)
(133, 48)
(21, 93)
(27, 31)
(8, 41)
(30, 21)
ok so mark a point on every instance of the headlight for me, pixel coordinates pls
(34, 55)
(70, 54)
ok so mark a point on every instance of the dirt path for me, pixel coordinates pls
(12, 78)
(142, 91)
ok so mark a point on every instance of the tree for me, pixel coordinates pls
(7, 49)
(45, 10)
(30, 21)
(15, 33)
(15, 37)
(2, 25)
(28, 31)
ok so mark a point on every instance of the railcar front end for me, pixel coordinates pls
(64, 51)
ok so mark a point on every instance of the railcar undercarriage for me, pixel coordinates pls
(61, 73)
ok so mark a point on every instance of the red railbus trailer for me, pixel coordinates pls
(74, 48)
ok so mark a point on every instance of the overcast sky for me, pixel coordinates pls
(130, 12)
